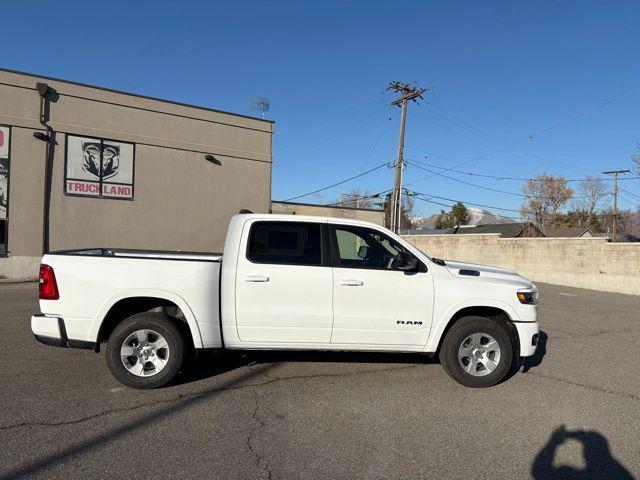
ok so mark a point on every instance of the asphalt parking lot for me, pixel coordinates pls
(573, 412)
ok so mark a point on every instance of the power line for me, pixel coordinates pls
(436, 203)
(583, 154)
(522, 195)
(628, 192)
(591, 109)
(460, 201)
(475, 174)
(380, 134)
(555, 154)
(477, 133)
(385, 164)
(359, 198)
(466, 183)
(497, 177)
(474, 159)
(629, 200)
(537, 133)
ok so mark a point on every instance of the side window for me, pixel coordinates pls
(359, 247)
(285, 243)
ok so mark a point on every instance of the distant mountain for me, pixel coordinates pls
(477, 216)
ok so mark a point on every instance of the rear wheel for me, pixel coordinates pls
(145, 351)
(477, 352)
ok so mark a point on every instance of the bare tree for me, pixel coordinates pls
(636, 159)
(635, 223)
(406, 219)
(628, 220)
(546, 195)
(357, 198)
(593, 189)
(319, 199)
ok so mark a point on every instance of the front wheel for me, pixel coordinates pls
(145, 351)
(477, 352)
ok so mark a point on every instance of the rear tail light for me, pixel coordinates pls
(48, 285)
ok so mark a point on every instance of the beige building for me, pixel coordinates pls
(83, 166)
(365, 214)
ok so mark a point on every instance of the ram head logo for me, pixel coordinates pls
(91, 159)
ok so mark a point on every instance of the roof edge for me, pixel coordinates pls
(138, 95)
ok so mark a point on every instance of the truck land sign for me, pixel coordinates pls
(101, 168)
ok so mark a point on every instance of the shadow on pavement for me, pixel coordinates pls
(207, 365)
(535, 360)
(39, 466)
(341, 357)
(599, 463)
(211, 364)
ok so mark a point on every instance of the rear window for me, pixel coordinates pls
(285, 243)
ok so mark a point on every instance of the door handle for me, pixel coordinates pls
(351, 283)
(256, 278)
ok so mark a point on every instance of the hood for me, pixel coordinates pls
(485, 272)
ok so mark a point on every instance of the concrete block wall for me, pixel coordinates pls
(592, 263)
(19, 269)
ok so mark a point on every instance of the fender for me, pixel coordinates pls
(154, 293)
(441, 323)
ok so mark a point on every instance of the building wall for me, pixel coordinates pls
(367, 215)
(181, 200)
(590, 263)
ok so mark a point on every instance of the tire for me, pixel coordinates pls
(156, 346)
(470, 356)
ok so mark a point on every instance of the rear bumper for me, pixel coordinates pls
(528, 333)
(52, 331)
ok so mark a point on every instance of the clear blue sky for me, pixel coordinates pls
(498, 72)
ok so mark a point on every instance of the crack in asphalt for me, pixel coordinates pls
(607, 332)
(270, 380)
(583, 385)
(261, 462)
(575, 336)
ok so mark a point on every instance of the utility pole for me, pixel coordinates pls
(408, 93)
(614, 217)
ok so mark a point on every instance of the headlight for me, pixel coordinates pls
(528, 296)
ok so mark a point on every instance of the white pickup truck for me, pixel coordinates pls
(286, 283)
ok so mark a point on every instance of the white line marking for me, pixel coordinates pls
(567, 294)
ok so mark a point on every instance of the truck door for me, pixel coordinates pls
(284, 283)
(374, 303)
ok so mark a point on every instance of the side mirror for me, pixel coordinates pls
(362, 251)
(406, 262)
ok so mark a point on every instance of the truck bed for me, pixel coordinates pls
(93, 280)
